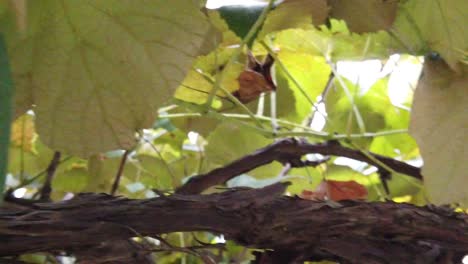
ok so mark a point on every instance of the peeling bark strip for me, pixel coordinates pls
(294, 229)
(290, 151)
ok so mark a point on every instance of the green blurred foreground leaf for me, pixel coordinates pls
(6, 109)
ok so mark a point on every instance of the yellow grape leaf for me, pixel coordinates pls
(312, 72)
(23, 133)
(439, 123)
(195, 88)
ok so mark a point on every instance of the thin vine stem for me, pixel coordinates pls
(274, 119)
(261, 104)
(233, 99)
(359, 119)
(116, 183)
(51, 169)
(23, 142)
(166, 164)
(308, 132)
(40, 174)
(241, 105)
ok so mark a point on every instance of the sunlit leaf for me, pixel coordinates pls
(396, 145)
(342, 118)
(311, 72)
(196, 88)
(341, 45)
(23, 133)
(310, 41)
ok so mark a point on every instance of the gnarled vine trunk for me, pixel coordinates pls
(292, 229)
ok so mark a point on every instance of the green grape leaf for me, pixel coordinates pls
(371, 106)
(308, 41)
(424, 25)
(229, 37)
(439, 123)
(190, 163)
(242, 141)
(311, 72)
(73, 180)
(307, 178)
(29, 163)
(156, 173)
(100, 69)
(397, 145)
(241, 18)
(33, 258)
(401, 184)
(337, 43)
(196, 88)
(102, 172)
(374, 106)
(202, 125)
(24, 165)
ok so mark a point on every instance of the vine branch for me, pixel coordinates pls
(47, 187)
(290, 151)
(290, 228)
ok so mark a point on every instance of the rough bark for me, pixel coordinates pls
(292, 228)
